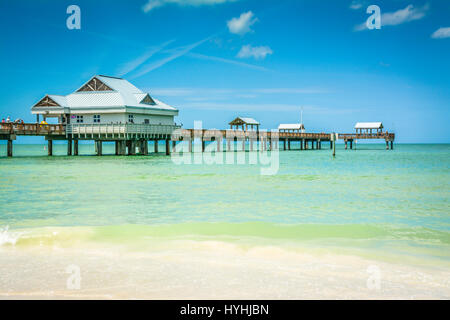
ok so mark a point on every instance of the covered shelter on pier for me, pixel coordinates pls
(246, 124)
(292, 127)
(368, 127)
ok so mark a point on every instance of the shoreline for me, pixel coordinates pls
(208, 267)
(188, 269)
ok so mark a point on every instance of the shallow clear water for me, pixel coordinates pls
(390, 206)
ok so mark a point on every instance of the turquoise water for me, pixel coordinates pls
(365, 194)
(390, 206)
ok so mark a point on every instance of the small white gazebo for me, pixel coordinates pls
(291, 127)
(368, 127)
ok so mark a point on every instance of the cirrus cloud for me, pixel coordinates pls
(441, 33)
(248, 51)
(410, 13)
(153, 4)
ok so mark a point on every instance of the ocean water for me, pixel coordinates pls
(145, 227)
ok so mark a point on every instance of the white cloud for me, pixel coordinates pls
(248, 51)
(153, 4)
(355, 5)
(242, 24)
(410, 13)
(441, 33)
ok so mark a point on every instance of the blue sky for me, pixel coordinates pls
(216, 59)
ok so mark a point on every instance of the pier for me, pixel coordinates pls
(131, 139)
(112, 109)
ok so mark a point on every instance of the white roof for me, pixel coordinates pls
(368, 125)
(249, 120)
(123, 94)
(291, 126)
(61, 100)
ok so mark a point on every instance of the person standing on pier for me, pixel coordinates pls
(8, 119)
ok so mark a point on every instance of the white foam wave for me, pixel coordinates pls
(8, 237)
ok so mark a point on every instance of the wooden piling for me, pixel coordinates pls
(145, 143)
(122, 147)
(167, 147)
(156, 145)
(10, 148)
(75, 147)
(333, 142)
(69, 147)
(99, 145)
(50, 147)
(289, 144)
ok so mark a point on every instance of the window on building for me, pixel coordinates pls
(79, 119)
(146, 121)
(130, 118)
(96, 118)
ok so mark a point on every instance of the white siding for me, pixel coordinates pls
(123, 118)
(153, 119)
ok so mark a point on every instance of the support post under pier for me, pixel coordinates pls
(98, 147)
(50, 147)
(167, 147)
(10, 148)
(69, 147)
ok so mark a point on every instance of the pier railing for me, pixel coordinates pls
(379, 135)
(253, 134)
(32, 129)
(118, 129)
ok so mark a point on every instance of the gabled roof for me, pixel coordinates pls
(291, 126)
(51, 100)
(242, 120)
(368, 125)
(104, 91)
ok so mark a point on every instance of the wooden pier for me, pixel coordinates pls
(127, 136)
(131, 139)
